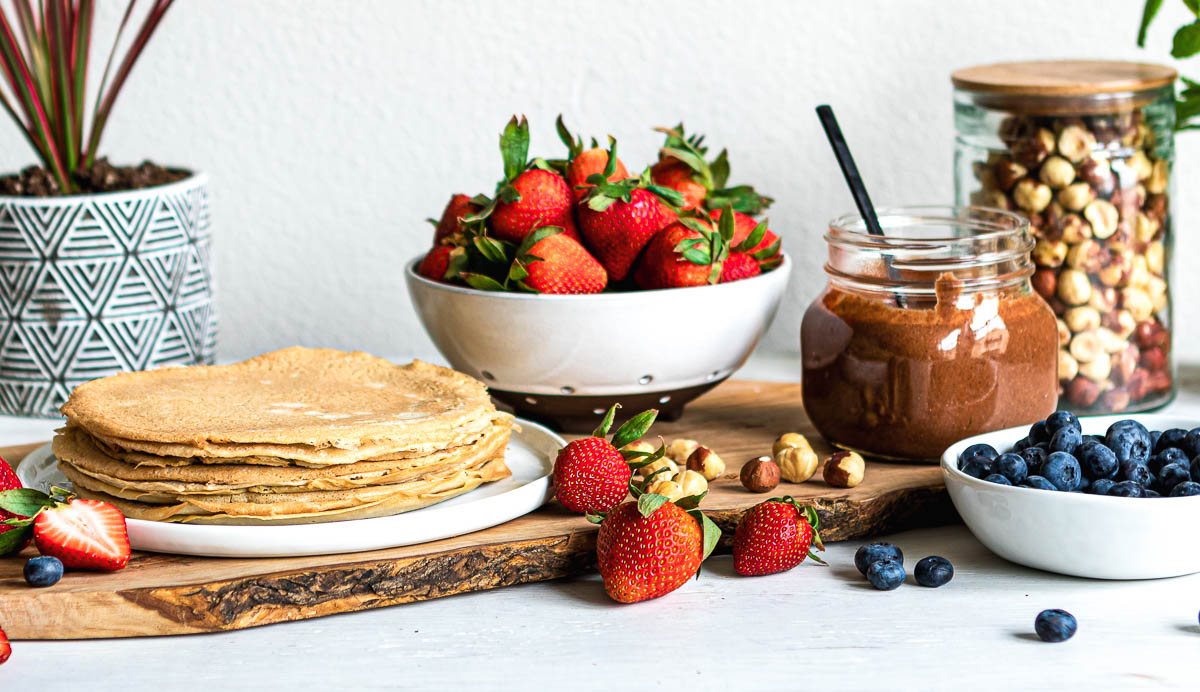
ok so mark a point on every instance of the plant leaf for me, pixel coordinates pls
(514, 147)
(720, 169)
(574, 145)
(1187, 41)
(482, 282)
(634, 428)
(491, 249)
(712, 533)
(769, 251)
(25, 502)
(699, 257)
(1148, 12)
(691, 501)
(14, 538)
(754, 238)
(649, 503)
(602, 430)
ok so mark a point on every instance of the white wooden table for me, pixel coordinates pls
(810, 628)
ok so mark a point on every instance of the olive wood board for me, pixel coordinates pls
(170, 594)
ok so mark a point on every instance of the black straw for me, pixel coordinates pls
(842, 151)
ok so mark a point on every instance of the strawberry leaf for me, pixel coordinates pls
(491, 249)
(595, 518)
(14, 538)
(726, 224)
(768, 252)
(486, 206)
(634, 428)
(720, 169)
(649, 503)
(712, 533)
(610, 166)
(24, 502)
(700, 257)
(574, 144)
(743, 198)
(696, 225)
(670, 196)
(536, 237)
(753, 239)
(691, 501)
(606, 423)
(482, 282)
(547, 166)
(514, 147)
(770, 264)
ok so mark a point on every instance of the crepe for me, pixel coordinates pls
(308, 397)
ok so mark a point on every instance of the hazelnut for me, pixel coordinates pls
(1138, 303)
(1064, 333)
(1031, 195)
(1144, 228)
(1153, 359)
(1076, 196)
(1104, 298)
(985, 175)
(1149, 334)
(1085, 255)
(1082, 392)
(1115, 400)
(1115, 273)
(1049, 253)
(679, 450)
(707, 463)
(1068, 367)
(1097, 173)
(1158, 293)
(1138, 166)
(1007, 173)
(1045, 282)
(1082, 318)
(1075, 143)
(1032, 150)
(1103, 216)
(655, 469)
(1124, 363)
(844, 469)
(691, 482)
(796, 464)
(990, 198)
(1156, 207)
(1156, 184)
(1110, 342)
(1074, 229)
(786, 440)
(1139, 272)
(1097, 370)
(1057, 172)
(1086, 346)
(1155, 257)
(1122, 323)
(1074, 288)
(668, 489)
(760, 475)
(638, 446)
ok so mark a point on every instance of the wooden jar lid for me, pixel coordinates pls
(1055, 86)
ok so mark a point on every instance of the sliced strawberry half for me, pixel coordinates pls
(84, 534)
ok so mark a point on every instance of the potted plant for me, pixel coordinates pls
(102, 268)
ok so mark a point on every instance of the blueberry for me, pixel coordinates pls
(1147, 492)
(933, 571)
(997, 478)
(1059, 420)
(1101, 486)
(1155, 436)
(1094, 438)
(1023, 443)
(874, 552)
(1034, 458)
(1097, 460)
(1130, 440)
(1127, 489)
(43, 571)
(1172, 437)
(1186, 488)
(1012, 466)
(885, 575)
(1138, 473)
(978, 448)
(1082, 485)
(1172, 475)
(1170, 455)
(1037, 482)
(1194, 467)
(979, 466)
(1191, 443)
(1037, 432)
(1066, 440)
(1055, 625)
(1062, 470)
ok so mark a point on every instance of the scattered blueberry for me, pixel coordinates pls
(1012, 467)
(1097, 460)
(1066, 440)
(980, 448)
(1101, 486)
(1172, 475)
(874, 552)
(1130, 441)
(43, 571)
(933, 571)
(1170, 438)
(1127, 489)
(1138, 473)
(1061, 419)
(1055, 625)
(1037, 432)
(1186, 488)
(1037, 482)
(885, 575)
(979, 466)
(997, 478)
(1062, 470)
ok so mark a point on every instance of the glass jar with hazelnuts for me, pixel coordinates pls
(1084, 150)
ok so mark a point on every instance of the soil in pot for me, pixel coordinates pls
(99, 177)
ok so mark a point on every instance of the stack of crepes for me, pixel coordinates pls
(295, 436)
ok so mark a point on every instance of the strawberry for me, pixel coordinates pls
(84, 534)
(681, 166)
(16, 542)
(5, 647)
(686, 253)
(775, 536)
(651, 547)
(590, 474)
(761, 244)
(450, 226)
(540, 198)
(436, 264)
(583, 163)
(553, 262)
(738, 266)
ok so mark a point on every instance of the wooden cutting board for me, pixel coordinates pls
(169, 594)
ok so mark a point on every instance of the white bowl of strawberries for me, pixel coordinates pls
(577, 286)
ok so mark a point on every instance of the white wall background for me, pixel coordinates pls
(331, 128)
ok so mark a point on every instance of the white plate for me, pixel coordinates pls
(1082, 535)
(530, 457)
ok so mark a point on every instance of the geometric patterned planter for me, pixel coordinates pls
(92, 285)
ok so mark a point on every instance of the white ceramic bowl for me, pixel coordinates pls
(1078, 534)
(563, 358)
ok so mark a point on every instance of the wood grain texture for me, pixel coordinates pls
(168, 594)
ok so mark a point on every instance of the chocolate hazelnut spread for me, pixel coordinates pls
(907, 382)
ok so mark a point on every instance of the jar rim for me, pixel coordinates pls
(988, 222)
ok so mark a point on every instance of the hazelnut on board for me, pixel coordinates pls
(845, 469)
(691, 482)
(654, 469)
(760, 475)
(668, 489)
(796, 464)
(679, 450)
(706, 463)
(786, 440)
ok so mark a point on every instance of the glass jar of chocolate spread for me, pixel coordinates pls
(927, 334)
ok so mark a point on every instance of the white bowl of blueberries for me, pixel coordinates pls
(1102, 497)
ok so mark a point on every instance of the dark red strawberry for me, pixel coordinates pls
(437, 261)
(753, 238)
(676, 175)
(686, 253)
(775, 536)
(550, 261)
(739, 266)
(590, 474)
(682, 166)
(9, 481)
(450, 226)
(619, 232)
(542, 198)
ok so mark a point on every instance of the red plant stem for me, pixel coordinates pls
(24, 86)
